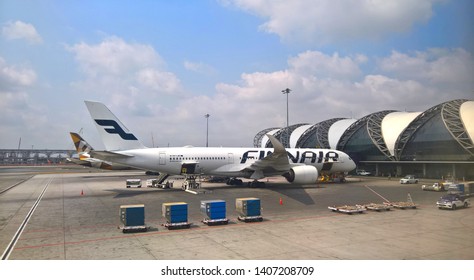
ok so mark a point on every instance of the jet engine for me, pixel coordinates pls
(305, 174)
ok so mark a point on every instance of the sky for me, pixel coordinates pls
(161, 66)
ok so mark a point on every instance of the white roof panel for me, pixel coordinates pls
(296, 134)
(467, 116)
(393, 124)
(337, 129)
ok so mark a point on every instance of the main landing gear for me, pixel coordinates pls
(256, 184)
(234, 182)
(239, 182)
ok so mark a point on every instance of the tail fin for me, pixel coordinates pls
(81, 145)
(114, 134)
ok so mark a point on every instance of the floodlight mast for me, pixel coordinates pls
(207, 129)
(287, 92)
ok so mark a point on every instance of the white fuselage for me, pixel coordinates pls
(230, 161)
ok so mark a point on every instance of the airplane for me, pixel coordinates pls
(298, 166)
(83, 150)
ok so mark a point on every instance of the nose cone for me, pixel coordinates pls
(352, 164)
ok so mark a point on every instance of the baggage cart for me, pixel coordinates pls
(378, 207)
(132, 218)
(215, 211)
(176, 214)
(402, 205)
(250, 219)
(348, 209)
(249, 209)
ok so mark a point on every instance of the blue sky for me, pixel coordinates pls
(162, 65)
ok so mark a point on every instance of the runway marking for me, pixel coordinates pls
(377, 193)
(14, 185)
(18, 233)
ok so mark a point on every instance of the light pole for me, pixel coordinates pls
(287, 92)
(207, 129)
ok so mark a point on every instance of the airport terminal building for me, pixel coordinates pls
(436, 143)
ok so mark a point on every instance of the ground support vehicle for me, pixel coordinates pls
(453, 201)
(133, 183)
(378, 207)
(190, 183)
(437, 187)
(409, 179)
(464, 188)
(153, 183)
(363, 173)
(348, 209)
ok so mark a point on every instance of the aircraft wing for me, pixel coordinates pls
(108, 155)
(275, 163)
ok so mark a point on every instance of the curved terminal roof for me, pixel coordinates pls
(442, 132)
(295, 136)
(467, 117)
(284, 134)
(393, 124)
(265, 138)
(257, 140)
(337, 129)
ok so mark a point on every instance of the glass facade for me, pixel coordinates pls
(360, 147)
(432, 141)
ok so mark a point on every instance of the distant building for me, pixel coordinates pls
(436, 143)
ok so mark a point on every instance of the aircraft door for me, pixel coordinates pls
(188, 168)
(162, 158)
(230, 158)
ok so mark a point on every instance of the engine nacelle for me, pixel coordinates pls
(305, 174)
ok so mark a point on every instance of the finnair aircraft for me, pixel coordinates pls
(298, 166)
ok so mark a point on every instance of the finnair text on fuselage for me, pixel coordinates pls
(296, 156)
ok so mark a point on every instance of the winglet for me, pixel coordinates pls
(278, 147)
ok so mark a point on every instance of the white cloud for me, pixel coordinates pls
(327, 21)
(129, 74)
(321, 65)
(115, 56)
(19, 114)
(434, 65)
(159, 80)
(13, 77)
(20, 30)
(200, 68)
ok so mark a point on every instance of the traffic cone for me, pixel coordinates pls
(281, 201)
(82, 192)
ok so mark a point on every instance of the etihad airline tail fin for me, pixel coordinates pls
(114, 134)
(81, 145)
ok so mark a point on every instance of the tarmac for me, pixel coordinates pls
(64, 213)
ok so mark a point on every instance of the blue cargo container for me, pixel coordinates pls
(248, 206)
(214, 209)
(175, 212)
(132, 215)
